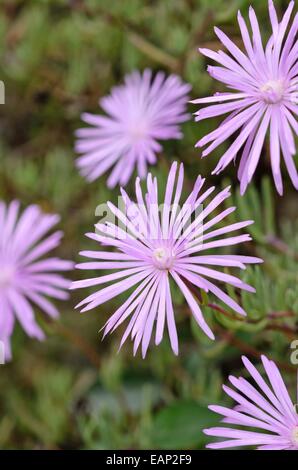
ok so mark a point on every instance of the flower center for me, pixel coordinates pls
(295, 436)
(273, 91)
(6, 275)
(138, 131)
(163, 258)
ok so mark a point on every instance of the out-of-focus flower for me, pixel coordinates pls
(267, 409)
(160, 243)
(263, 97)
(140, 113)
(25, 279)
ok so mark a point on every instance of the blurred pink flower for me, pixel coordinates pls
(162, 243)
(263, 97)
(267, 409)
(24, 278)
(140, 113)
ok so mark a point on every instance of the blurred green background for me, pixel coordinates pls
(74, 391)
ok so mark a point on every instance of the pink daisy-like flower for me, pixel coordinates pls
(24, 277)
(139, 113)
(162, 243)
(265, 408)
(262, 100)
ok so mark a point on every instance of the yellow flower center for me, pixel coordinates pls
(163, 258)
(273, 91)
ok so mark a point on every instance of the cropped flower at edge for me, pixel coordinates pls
(263, 98)
(157, 246)
(140, 113)
(24, 277)
(262, 407)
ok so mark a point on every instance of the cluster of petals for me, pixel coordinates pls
(139, 114)
(26, 277)
(264, 406)
(262, 98)
(159, 245)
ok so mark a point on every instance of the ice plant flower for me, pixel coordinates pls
(262, 100)
(25, 279)
(160, 243)
(139, 114)
(267, 409)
